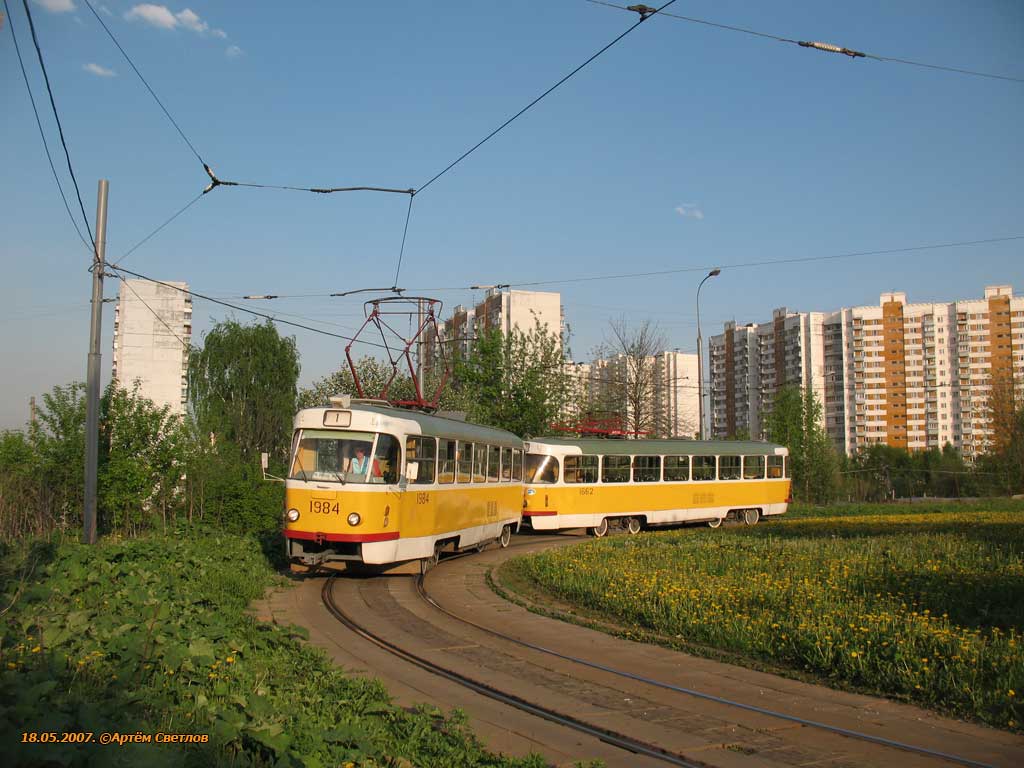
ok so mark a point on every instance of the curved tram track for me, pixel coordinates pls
(377, 593)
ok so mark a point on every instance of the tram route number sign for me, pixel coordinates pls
(324, 507)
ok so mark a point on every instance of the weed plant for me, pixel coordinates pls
(152, 635)
(927, 606)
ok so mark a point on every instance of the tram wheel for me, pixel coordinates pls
(716, 523)
(751, 516)
(434, 559)
(506, 536)
(601, 529)
(633, 525)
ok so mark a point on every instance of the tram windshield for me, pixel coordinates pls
(334, 456)
(541, 468)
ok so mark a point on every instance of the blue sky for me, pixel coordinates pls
(682, 146)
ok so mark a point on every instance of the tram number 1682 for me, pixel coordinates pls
(324, 507)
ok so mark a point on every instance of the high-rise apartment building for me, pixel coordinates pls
(909, 375)
(152, 331)
(655, 395)
(502, 309)
(750, 363)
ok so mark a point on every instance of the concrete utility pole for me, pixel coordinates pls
(92, 403)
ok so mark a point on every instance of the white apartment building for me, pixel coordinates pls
(668, 395)
(152, 332)
(750, 363)
(503, 309)
(909, 375)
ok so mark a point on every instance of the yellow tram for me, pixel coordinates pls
(589, 483)
(373, 484)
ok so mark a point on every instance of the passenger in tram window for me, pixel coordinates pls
(360, 461)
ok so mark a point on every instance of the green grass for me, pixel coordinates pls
(151, 635)
(921, 604)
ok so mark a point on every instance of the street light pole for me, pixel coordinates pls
(700, 357)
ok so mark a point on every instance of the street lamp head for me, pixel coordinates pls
(714, 272)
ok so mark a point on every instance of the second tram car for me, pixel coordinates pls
(588, 483)
(374, 484)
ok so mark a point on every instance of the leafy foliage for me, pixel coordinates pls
(242, 386)
(514, 381)
(151, 635)
(795, 422)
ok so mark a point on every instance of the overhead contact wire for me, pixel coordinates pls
(144, 82)
(405, 232)
(152, 234)
(264, 315)
(818, 46)
(492, 134)
(42, 133)
(60, 129)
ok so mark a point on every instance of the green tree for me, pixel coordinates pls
(58, 435)
(242, 387)
(795, 422)
(515, 381)
(143, 452)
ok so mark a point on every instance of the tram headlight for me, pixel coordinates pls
(293, 515)
(354, 519)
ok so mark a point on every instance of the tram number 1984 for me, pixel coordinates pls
(324, 507)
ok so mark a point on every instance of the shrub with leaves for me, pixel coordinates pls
(151, 635)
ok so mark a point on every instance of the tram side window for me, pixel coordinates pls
(753, 467)
(581, 469)
(517, 465)
(646, 469)
(421, 452)
(493, 457)
(506, 464)
(703, 467)
(728, 467)
(774, 467)
(479, 463)
(385, 460)
(446, 453)
(615, 469)
(541, 468)
(464, 462)
(677, 468)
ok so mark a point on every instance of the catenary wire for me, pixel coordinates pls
(680, 270)
(60, 129)
(405, 232)
(42, 133)
(492, 134)
(144, 82)
(264, 315)
(805, 44)
(146, 239)
(770, 262)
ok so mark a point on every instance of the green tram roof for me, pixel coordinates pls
(430, 424)
(616, 447)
